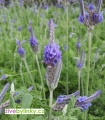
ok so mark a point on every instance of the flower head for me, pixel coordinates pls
(52, 59)
(84, 102)
(66, 98)
(81, 61)
(62, 100)
(52, 54)
(3, 92)
(91, 16)
(78, 44)
(33, 40)
(80, 100)
(21, 50)
(4, 76)
(20, 28)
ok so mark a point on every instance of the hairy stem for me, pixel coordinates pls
(50, 104)
(67, 22)
(27, 68)
(40, 76)
(88, 62)
(79, 79)
(88, 67)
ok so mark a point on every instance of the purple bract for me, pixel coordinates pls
(52, 54)
(80, 100)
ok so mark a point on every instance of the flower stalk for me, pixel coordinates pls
(88, 66)
(88, 60)
(28, 71)
(79, 80)
(50, 103)
(67, 21)
(40, 75)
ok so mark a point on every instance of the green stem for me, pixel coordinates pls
(79, 79)
(22, 73)
(88, 62)
(88, 68)
(50, 104)
(67, 50)
(42, 82)
(82, 87)
(27, 68)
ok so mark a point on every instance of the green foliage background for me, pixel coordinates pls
(14, 17)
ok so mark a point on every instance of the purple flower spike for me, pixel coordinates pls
(52, 60)
(80, 62)
(20, 28)
(3, 92)
(78, 44)
(4, 76)
(81, 18)
(81, 100)
(84, 102)
(52, 54)
(62, 100)
(21, 50)
(91, 16)
(33, 40)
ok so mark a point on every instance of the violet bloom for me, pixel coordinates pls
(81, 100)
(52, 54)
(84, 102)
(52, 60)
(66, 98)
(2, 1)
(33, 40)
(45, 7)
(78, 44)
(21, 50)
(4, 76)
(92, 16)
(20, 28)
(62, 100)
(81, 61)
(3, 92)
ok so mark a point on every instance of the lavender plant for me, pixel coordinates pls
(21, 52)
(62, 100)
(90, 17)
(34, 46)
(52, 59)
(83, 102)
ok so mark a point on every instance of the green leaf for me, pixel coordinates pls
(12, 105)
(26, 103)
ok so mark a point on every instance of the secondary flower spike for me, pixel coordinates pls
(90, 16)
(81, 61)
(33, 40)
(62, 100)
(3, 92)
(84, 102)
(21, 50)
(52, 53)
(52, 59)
